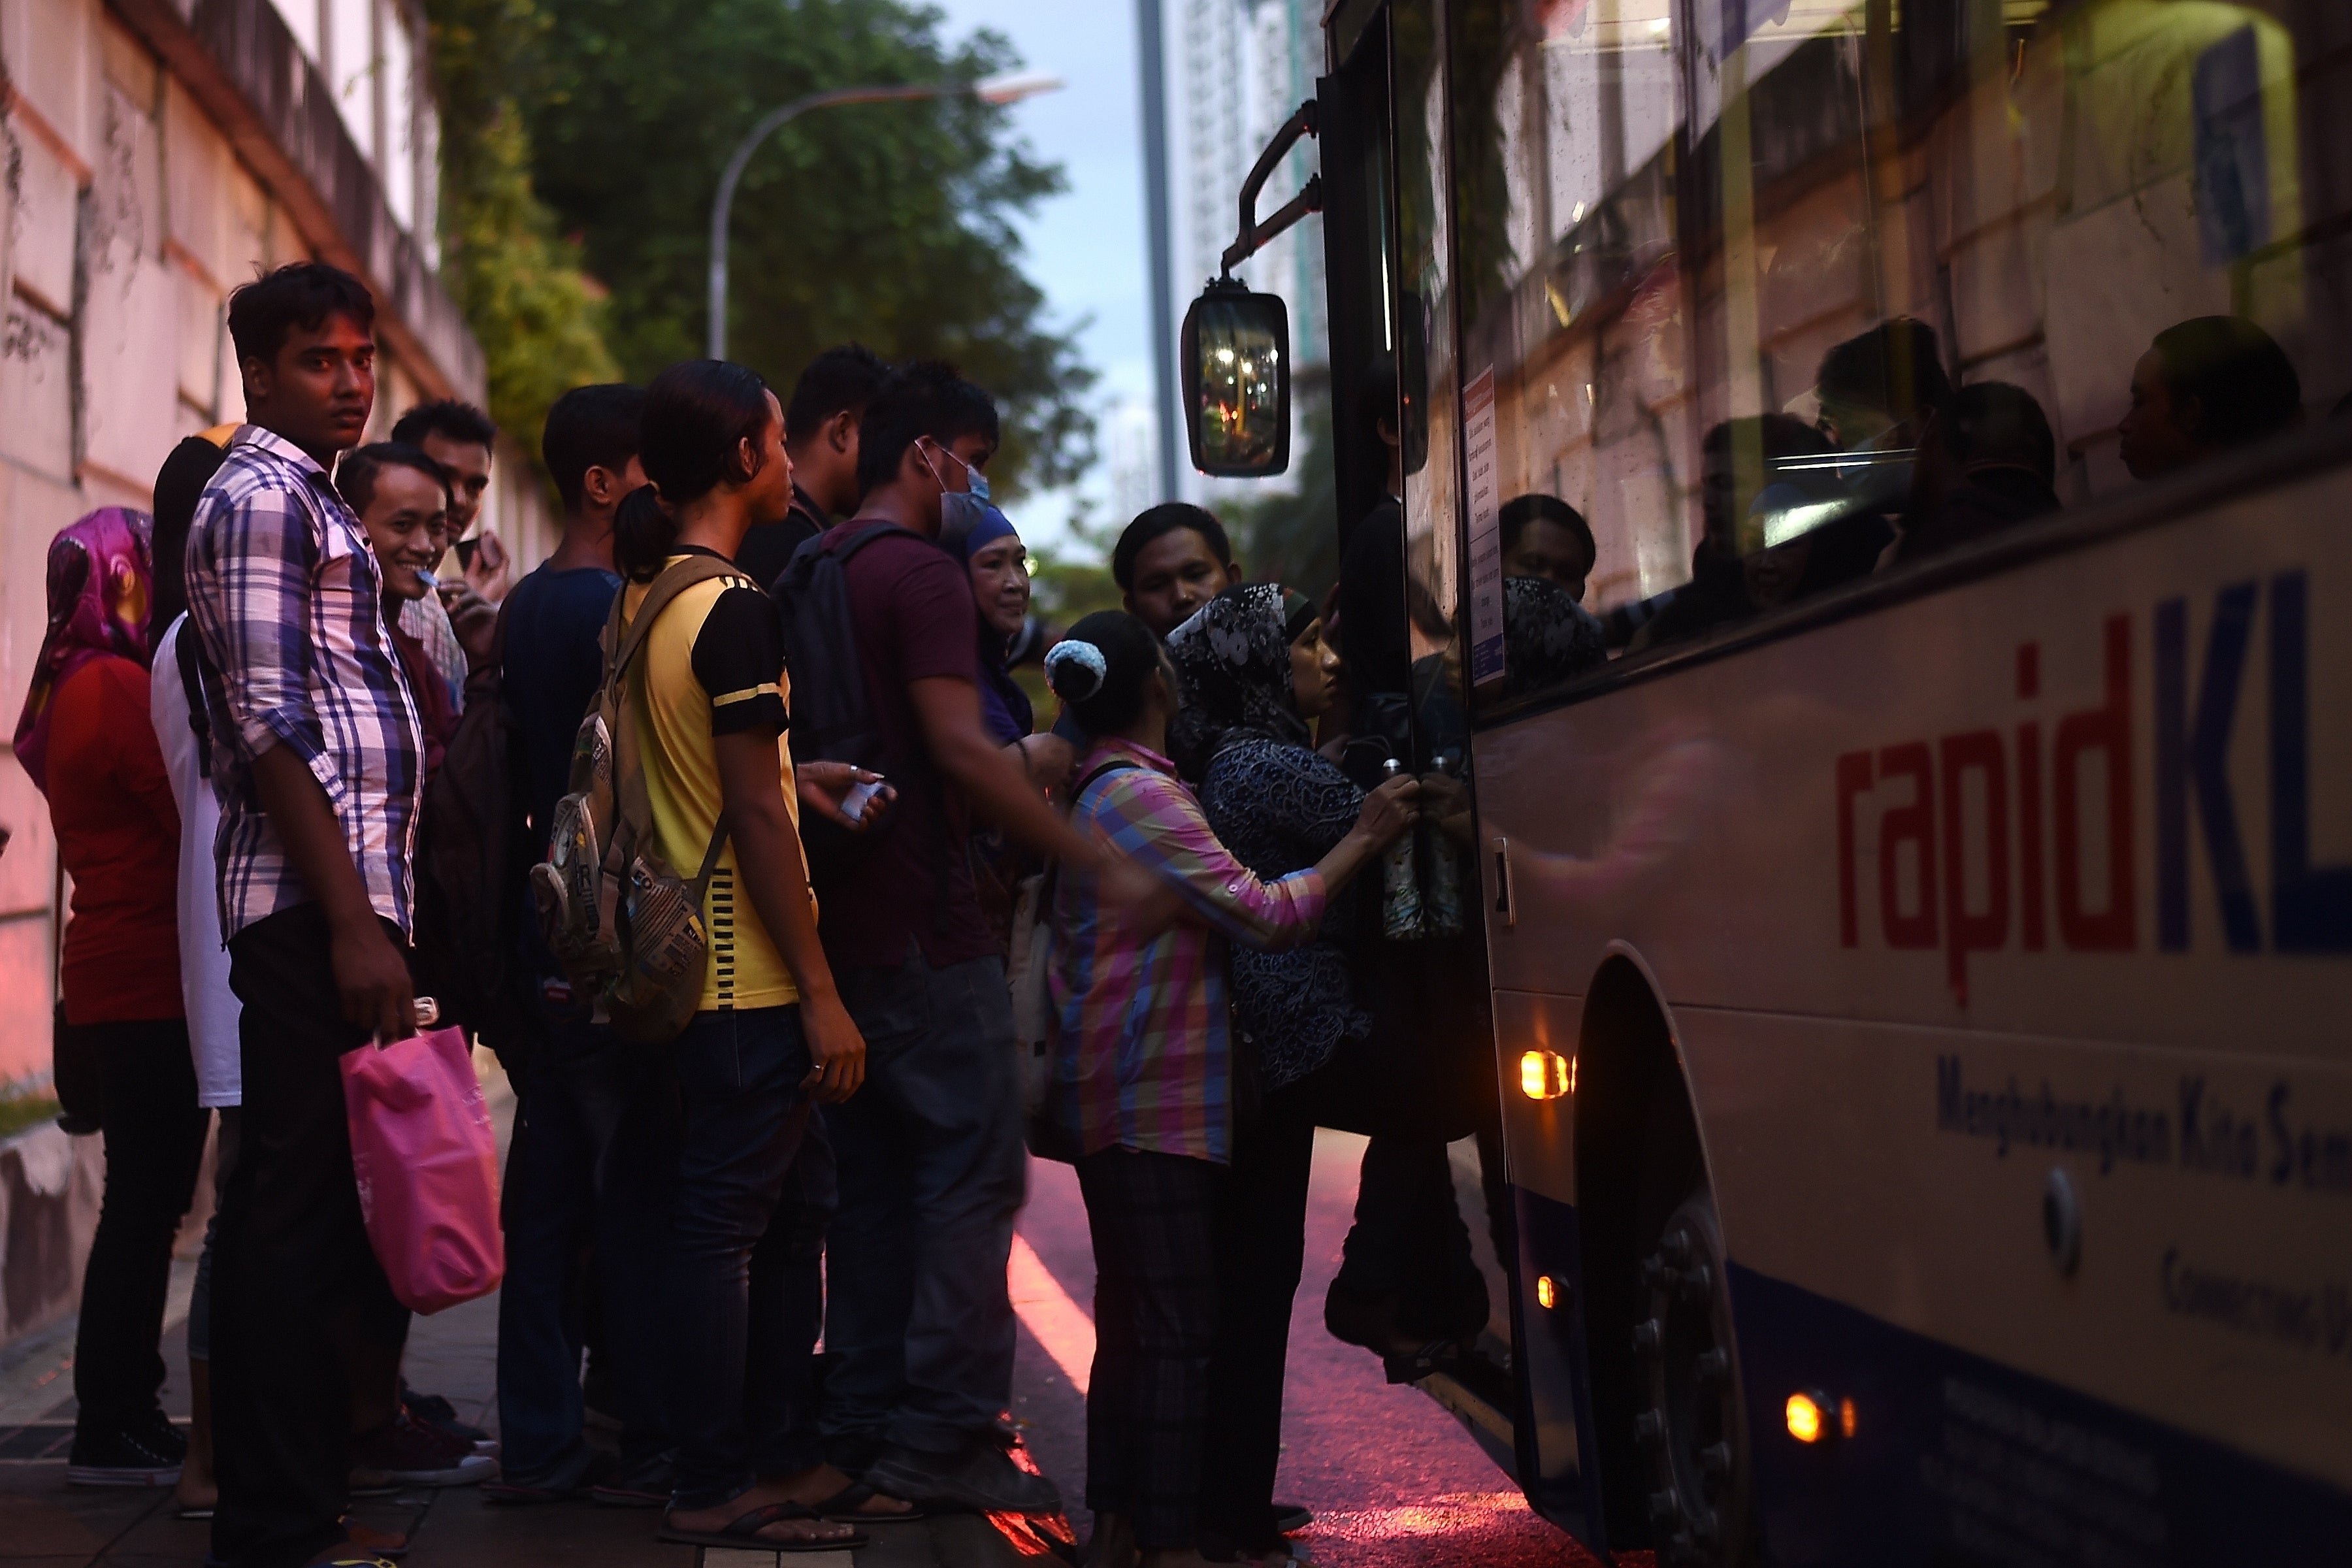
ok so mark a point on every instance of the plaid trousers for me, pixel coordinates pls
(1153, 1218)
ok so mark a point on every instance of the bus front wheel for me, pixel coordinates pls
(1691, 1427)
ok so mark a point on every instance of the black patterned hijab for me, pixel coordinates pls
(1233, 662)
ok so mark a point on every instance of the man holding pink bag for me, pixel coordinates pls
(318, 768)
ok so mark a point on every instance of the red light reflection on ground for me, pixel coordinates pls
(1495, 1530)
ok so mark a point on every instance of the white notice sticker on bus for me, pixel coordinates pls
(1486, 533)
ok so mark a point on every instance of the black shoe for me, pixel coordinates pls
(978, 1474)
(125, 1458)
(161, 1433)
(1290, 1517)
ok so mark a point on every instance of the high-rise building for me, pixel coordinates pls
(1235, 70)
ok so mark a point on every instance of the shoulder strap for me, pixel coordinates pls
(189, 657)
(1116, 765)
(624, 639)
(675, 579)
(852, 543)
(1054, 871)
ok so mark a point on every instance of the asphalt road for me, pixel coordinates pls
(1393, 1480)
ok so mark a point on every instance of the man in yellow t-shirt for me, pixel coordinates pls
(771, 1033)
(713, 665)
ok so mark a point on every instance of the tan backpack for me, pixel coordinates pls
(626, 928)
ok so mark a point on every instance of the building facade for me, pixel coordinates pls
(159, 153)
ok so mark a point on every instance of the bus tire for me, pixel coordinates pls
(1691, 1428)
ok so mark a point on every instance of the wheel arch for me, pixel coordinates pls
(1636, 1137)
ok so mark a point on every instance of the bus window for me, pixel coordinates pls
(1761, 301)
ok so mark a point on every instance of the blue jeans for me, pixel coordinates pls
(932, 1172)
(593, 1168)
(745, 1296)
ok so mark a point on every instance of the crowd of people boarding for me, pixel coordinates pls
(253, 711)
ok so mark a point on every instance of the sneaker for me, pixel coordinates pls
(161, 1433)
(644, 1485)
(979, 1474)
(127, 1458)
(405, 1452)
(435, 1411)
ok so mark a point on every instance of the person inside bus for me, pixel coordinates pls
(1877, 391)
(1743, 472)
(1143, 1085)
(1987, 462)
(1543, 536)
(2208, 385)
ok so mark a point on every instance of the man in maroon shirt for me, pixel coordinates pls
(919, 1329)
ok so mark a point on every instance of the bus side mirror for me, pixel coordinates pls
(1236, 354)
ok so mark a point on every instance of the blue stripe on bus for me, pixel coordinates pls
(1961, 1460)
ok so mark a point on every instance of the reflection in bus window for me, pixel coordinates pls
(1543, 536)
(2205, 387)
(1997, 259)
(1987, 462)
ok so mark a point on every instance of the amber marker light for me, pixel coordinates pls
(1547, 1293)
(1845, 1417)
(1806, 1418)
(1546, 1075)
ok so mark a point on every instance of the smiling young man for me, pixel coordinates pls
(318, 765)
(402, 499)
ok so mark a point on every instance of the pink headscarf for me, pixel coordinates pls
(101, 576)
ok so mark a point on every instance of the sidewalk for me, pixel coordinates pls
(44, 1524)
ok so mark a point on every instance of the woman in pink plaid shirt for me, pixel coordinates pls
(1142, 1086)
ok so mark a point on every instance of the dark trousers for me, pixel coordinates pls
(745, 1298)
(154, 1144)
(1154, 1221)
(295, 1284)
(1261, 1249)
(1409, 1242)
(591, 1179)
(933, 1169)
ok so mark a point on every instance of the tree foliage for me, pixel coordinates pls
(888, 222)
(538, 317)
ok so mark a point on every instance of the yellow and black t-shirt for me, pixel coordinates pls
(715, 665)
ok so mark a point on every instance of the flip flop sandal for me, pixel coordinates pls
(742, 1534)
(845, 1507)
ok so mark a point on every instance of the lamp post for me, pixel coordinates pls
(996, 90)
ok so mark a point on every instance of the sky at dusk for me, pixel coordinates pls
(1084, 247)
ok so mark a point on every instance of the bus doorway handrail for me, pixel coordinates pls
(1255, 236)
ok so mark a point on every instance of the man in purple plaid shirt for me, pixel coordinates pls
(318, 766)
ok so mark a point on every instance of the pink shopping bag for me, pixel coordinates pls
(426, 1156)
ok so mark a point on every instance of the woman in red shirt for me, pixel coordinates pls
(85, 740)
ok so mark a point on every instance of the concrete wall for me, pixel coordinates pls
(157, 153)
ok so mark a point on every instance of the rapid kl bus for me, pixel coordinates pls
(1915, 960)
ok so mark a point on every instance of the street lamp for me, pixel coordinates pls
(997, 90)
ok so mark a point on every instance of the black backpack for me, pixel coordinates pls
(470, 865)
(832, 719)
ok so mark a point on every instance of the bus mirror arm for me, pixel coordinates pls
(1255, 236)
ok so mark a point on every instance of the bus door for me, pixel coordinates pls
(1430, 1101)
